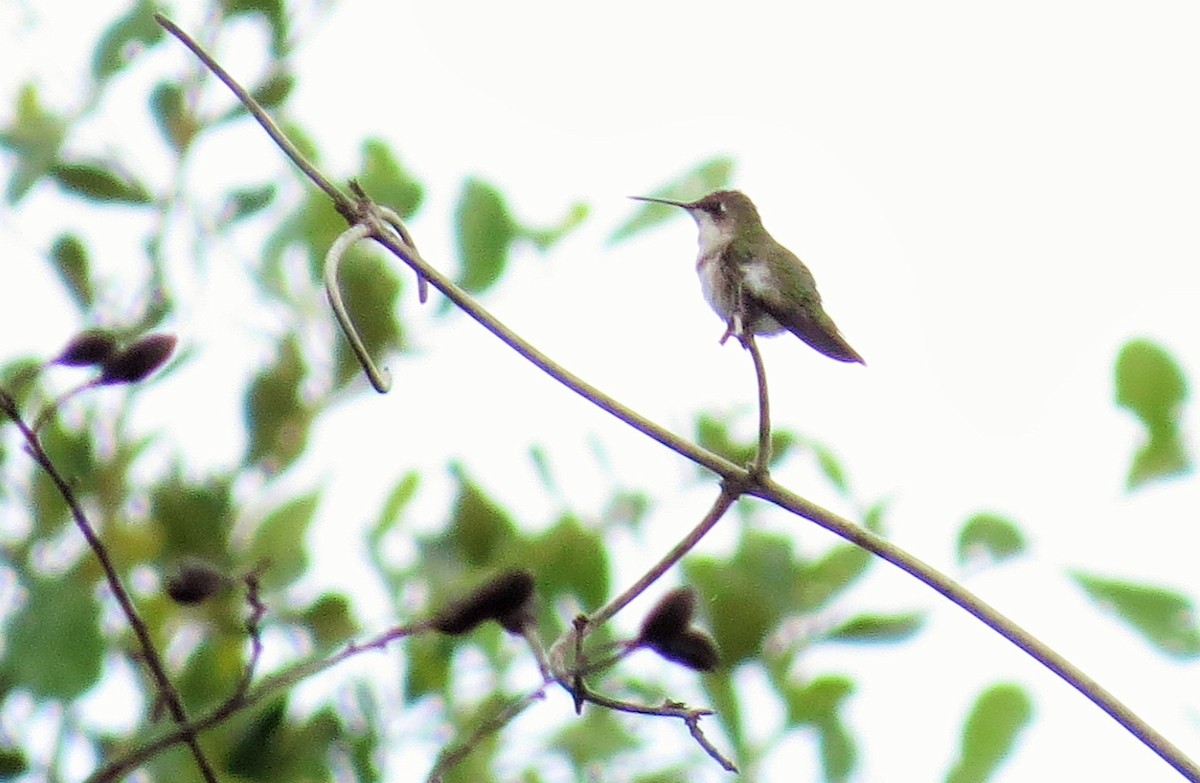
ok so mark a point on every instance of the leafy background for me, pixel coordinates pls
(975, 235)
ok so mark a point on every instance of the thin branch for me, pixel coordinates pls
(244, 700)
(729, 493)
(340, 199)
(762, 458)
(149, 653)
(670, 709)
(453, 754)
(253, 629)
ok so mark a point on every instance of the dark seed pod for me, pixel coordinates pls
(195, 581)
(669, 617)
(94, 346)
(503, 598)
(692, 648)
(138, 360)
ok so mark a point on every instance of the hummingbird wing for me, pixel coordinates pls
(796, 305)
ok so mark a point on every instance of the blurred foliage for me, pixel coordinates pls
(988, 538)
(990, 732)
(1165, 618)
(765, 599)
(1151, 385)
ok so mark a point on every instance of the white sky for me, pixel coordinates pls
(992, 200)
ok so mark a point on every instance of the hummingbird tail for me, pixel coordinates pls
(829, 342)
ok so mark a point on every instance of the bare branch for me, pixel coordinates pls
(148, 652)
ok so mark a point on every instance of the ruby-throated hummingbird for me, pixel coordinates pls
(756, 284)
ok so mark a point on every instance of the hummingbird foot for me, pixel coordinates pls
(733, 328)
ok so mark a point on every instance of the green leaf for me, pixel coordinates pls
(1164, 617)
(94, 182)
(990, 732)
(1149, 382)
(218, 663)
(832, 574)
(1151, 385)
(484, 230)
(172, 115)
(839, 753)
(315, 224)
(244, 202)
(545, 238)
(816, 701)
(873, 518)
(427, 669)
(595, 739)
(254, 755)
(35, 136)
(569, 559)
(279, 540)
(13, 762)
(277, 416)
(828, 462)
(481, 530)
(878, 628)
(125, 38)
(195, 519)
(817, 704)
(18, 378)
(70, 260)
(330, 620)
(541, 463)
(747, 595)
(400, 496)
(714, 433)
(53, 646)
(74, 454)
(366, 736)
(386, 180)
(627, 507)
(989, 537)
(273, 11)
(1162, 456)
(275, 90)
(725, 700)
(712, 174)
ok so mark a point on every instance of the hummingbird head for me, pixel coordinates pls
(719, 215)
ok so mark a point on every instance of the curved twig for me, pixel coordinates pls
(395, 222)
(382, 381)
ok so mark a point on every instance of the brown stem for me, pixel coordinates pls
(149, 653)
(728, 495)
(762, 457)
(243, 700)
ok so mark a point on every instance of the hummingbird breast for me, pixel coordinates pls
(730, 290)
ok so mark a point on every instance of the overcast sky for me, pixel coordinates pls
(992, 199)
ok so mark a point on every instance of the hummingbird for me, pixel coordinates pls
(756, 284)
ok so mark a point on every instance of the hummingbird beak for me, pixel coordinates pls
(683, 204)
